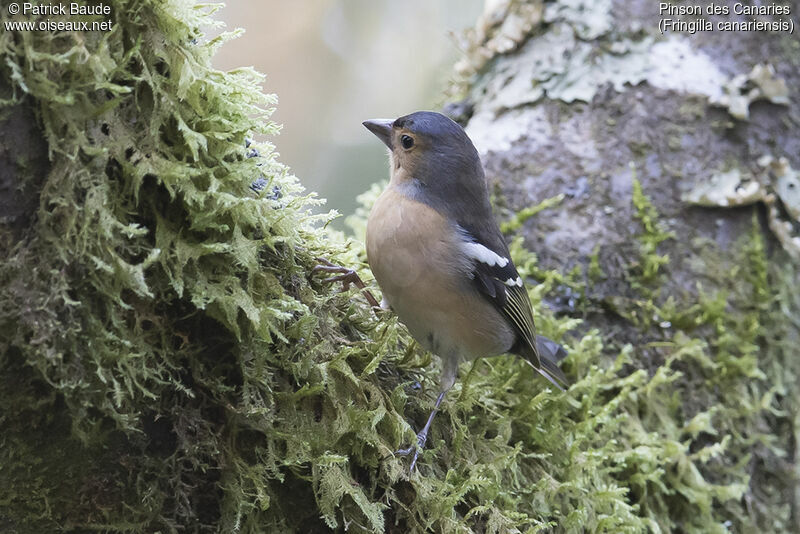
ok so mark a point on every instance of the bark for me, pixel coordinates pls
(591, 100)
(23, 154)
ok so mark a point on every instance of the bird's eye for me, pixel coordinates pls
(407, 141)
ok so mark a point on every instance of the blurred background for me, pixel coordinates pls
(335, 63)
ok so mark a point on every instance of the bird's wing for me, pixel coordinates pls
(498, 280)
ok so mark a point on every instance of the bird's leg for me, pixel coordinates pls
(422, 437)
(346, 277)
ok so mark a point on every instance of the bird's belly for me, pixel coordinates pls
(413, 253)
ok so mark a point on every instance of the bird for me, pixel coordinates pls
(440, 259)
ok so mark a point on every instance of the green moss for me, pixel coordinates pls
(651, 237)
(519, 218)
(168, 362)
(595, 271)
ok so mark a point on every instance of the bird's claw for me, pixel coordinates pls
(406, 451)
(346, 276)
(422, 437)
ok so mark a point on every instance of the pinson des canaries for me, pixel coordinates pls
(440, 259)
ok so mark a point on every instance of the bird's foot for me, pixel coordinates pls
(346, 277)
(422, 437)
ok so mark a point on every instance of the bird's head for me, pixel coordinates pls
(430, 149)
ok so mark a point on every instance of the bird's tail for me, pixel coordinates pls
(550, 353)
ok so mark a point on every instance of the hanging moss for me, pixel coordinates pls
(168, 362)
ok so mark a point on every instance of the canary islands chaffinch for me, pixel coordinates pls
(439, 256)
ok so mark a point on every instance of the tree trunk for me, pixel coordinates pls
(591, 105)
(168, 362)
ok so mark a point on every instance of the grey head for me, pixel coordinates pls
(435, 162)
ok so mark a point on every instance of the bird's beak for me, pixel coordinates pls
(382, 128)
